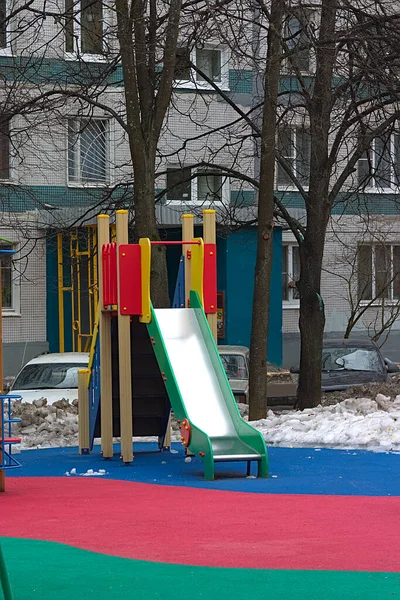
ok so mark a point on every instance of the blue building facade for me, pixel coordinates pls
(236, 255)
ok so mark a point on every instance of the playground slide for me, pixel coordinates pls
(199, 390)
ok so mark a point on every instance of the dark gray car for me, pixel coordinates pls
(346, 363)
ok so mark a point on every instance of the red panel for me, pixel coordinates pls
(130, 285)
(109, 269)
(210, 278)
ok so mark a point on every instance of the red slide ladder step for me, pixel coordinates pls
(11, 440)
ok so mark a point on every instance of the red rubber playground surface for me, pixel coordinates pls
(123, 535)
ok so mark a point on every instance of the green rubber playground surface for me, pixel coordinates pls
(66, 573)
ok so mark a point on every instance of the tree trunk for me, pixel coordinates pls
(311, 323)
(259, 326)
(146, 226)
(318, 207)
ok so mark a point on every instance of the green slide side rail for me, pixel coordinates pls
(248, 434)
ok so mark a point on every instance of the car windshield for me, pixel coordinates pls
(47, 376)
(235, 366)
(351, 359)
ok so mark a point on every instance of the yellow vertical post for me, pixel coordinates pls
(61, 325)
(187, 236)
(83, 410)
(103, 237)
(124, 351)
(145, 263)
(210, 237)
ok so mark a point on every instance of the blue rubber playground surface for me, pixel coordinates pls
(292, 470)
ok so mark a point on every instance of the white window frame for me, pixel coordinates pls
(109, 155)
(371, 185)
(193, 200)
(294, 129)
(15, 309)
(193, 83)
(378, 301)
(77, 39)
(7, 50)
(291, 302)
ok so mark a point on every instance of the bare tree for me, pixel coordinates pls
(266, 195)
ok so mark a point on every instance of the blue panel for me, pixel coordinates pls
(240, 264)
(94, 391)
(179, 295)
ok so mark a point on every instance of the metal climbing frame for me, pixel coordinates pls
(7, 440)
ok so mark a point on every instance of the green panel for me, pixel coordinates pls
(51, 571)
(38, 70)
(240, 81)
(243, 198)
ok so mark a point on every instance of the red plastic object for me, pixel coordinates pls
(130, 283)
(11, 440)
(109, 268)
(210, 278)
(185, 432)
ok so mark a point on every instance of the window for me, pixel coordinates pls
(213, 62)
(84, 27)
(294, 144)
(6, 278)
(379, 168)
(207, 187)
(297, 41)
(290, 273)
(378, 272)
(5, 149)
(49, 376)
(179, 184)
(88, 151)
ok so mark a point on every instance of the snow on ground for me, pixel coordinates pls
(352, 423)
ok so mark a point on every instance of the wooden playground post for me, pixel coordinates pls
(187, 236)
(209, 235)
(83, 410)
(124, 351)
(103, 237)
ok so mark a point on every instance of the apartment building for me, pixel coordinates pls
(64, 159)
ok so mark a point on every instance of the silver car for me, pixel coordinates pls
(235, 360)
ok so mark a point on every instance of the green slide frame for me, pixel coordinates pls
(200, 443)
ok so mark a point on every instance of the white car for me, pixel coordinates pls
(50, 376)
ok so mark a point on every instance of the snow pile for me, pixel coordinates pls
(89, 473)
(46, 426)
(353, 423)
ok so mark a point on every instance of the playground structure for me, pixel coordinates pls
(7, 461)
(144, 360)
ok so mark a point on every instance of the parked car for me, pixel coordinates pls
(50, 376)
(235, 360)
(346, 363)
